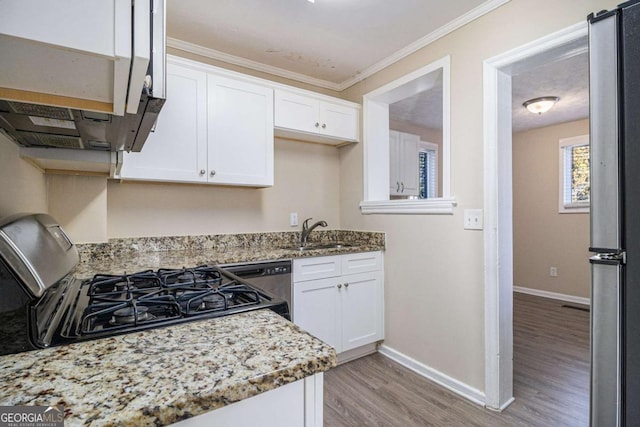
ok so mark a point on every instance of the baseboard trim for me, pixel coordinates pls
(553, 295)
(458, 387)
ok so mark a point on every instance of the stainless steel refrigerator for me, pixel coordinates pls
(614, 60)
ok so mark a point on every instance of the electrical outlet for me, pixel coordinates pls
(553, 272)
(473, 219)
(293, 219)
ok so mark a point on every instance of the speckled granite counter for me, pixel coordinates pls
(160, 376)
(135, 254)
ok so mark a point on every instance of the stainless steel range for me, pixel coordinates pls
(42, 304)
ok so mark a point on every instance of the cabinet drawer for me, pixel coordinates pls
(316, 268)
(361, 262)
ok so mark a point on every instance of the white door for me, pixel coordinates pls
(339, 121)
(315, 309)
(293, 111)
(177, 150)
(361, 304)
(240, 132)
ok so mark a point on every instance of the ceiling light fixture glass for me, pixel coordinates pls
(540, 105)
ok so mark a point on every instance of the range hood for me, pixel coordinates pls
(78, 75)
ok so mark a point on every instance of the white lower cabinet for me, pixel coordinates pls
(339, 299)
(297, 404)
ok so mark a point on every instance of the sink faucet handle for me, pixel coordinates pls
(305, 224)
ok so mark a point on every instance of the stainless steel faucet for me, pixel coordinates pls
(306, 229)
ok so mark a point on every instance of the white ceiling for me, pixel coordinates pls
(329, 43)
(567, 79)
(336, 43)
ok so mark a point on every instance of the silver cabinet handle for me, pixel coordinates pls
(339, 286)
(346, 285)
(397, 187)
(324, 125)
(202, 171)
(213, 173)
(317, 124)
(402, 187)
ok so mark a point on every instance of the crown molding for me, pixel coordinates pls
(247, 63)
(462, 20)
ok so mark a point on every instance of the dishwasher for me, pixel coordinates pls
(273, 277)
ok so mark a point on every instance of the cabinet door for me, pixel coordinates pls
(409, 164)
(315, 309)
(177, 150)
(361, 309)
(240, 132)
(339, 121)
(298, 112)
(394, 163)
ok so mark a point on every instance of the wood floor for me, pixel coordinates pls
(551, 380)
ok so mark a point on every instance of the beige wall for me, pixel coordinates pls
(79, 204)
(434, 286)
(22, 185)
(542, 237)
(307, 180)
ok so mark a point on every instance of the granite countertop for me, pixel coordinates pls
(130, 255)
(164, 375)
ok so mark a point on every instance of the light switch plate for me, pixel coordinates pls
(293, 219)
(473, 219)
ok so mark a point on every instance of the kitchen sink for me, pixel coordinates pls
(316, 246)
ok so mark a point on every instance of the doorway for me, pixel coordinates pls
(498, 200)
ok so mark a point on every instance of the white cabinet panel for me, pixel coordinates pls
(361, 262)
(177, 150)
(240, 132)
(338, 121)
(295, 111)
(317, 268)
(361, 309)
(297, 404)
(315, 308)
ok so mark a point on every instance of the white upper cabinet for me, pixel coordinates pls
(403, 163)
(213, 129)
(177, 150)
(74, 53)
(315, 118)
(240, 132)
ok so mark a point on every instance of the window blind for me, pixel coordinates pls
(428, 169)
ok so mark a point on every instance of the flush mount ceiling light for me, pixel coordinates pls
(541, 105)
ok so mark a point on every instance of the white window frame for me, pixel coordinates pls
(430, 146)
(569, 208)
(375, 125)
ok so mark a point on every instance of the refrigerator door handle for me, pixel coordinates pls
(610, 258)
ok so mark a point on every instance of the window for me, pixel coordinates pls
(575, 184)
(428, 170)
(378, 197)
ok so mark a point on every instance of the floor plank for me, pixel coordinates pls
(551, 380)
